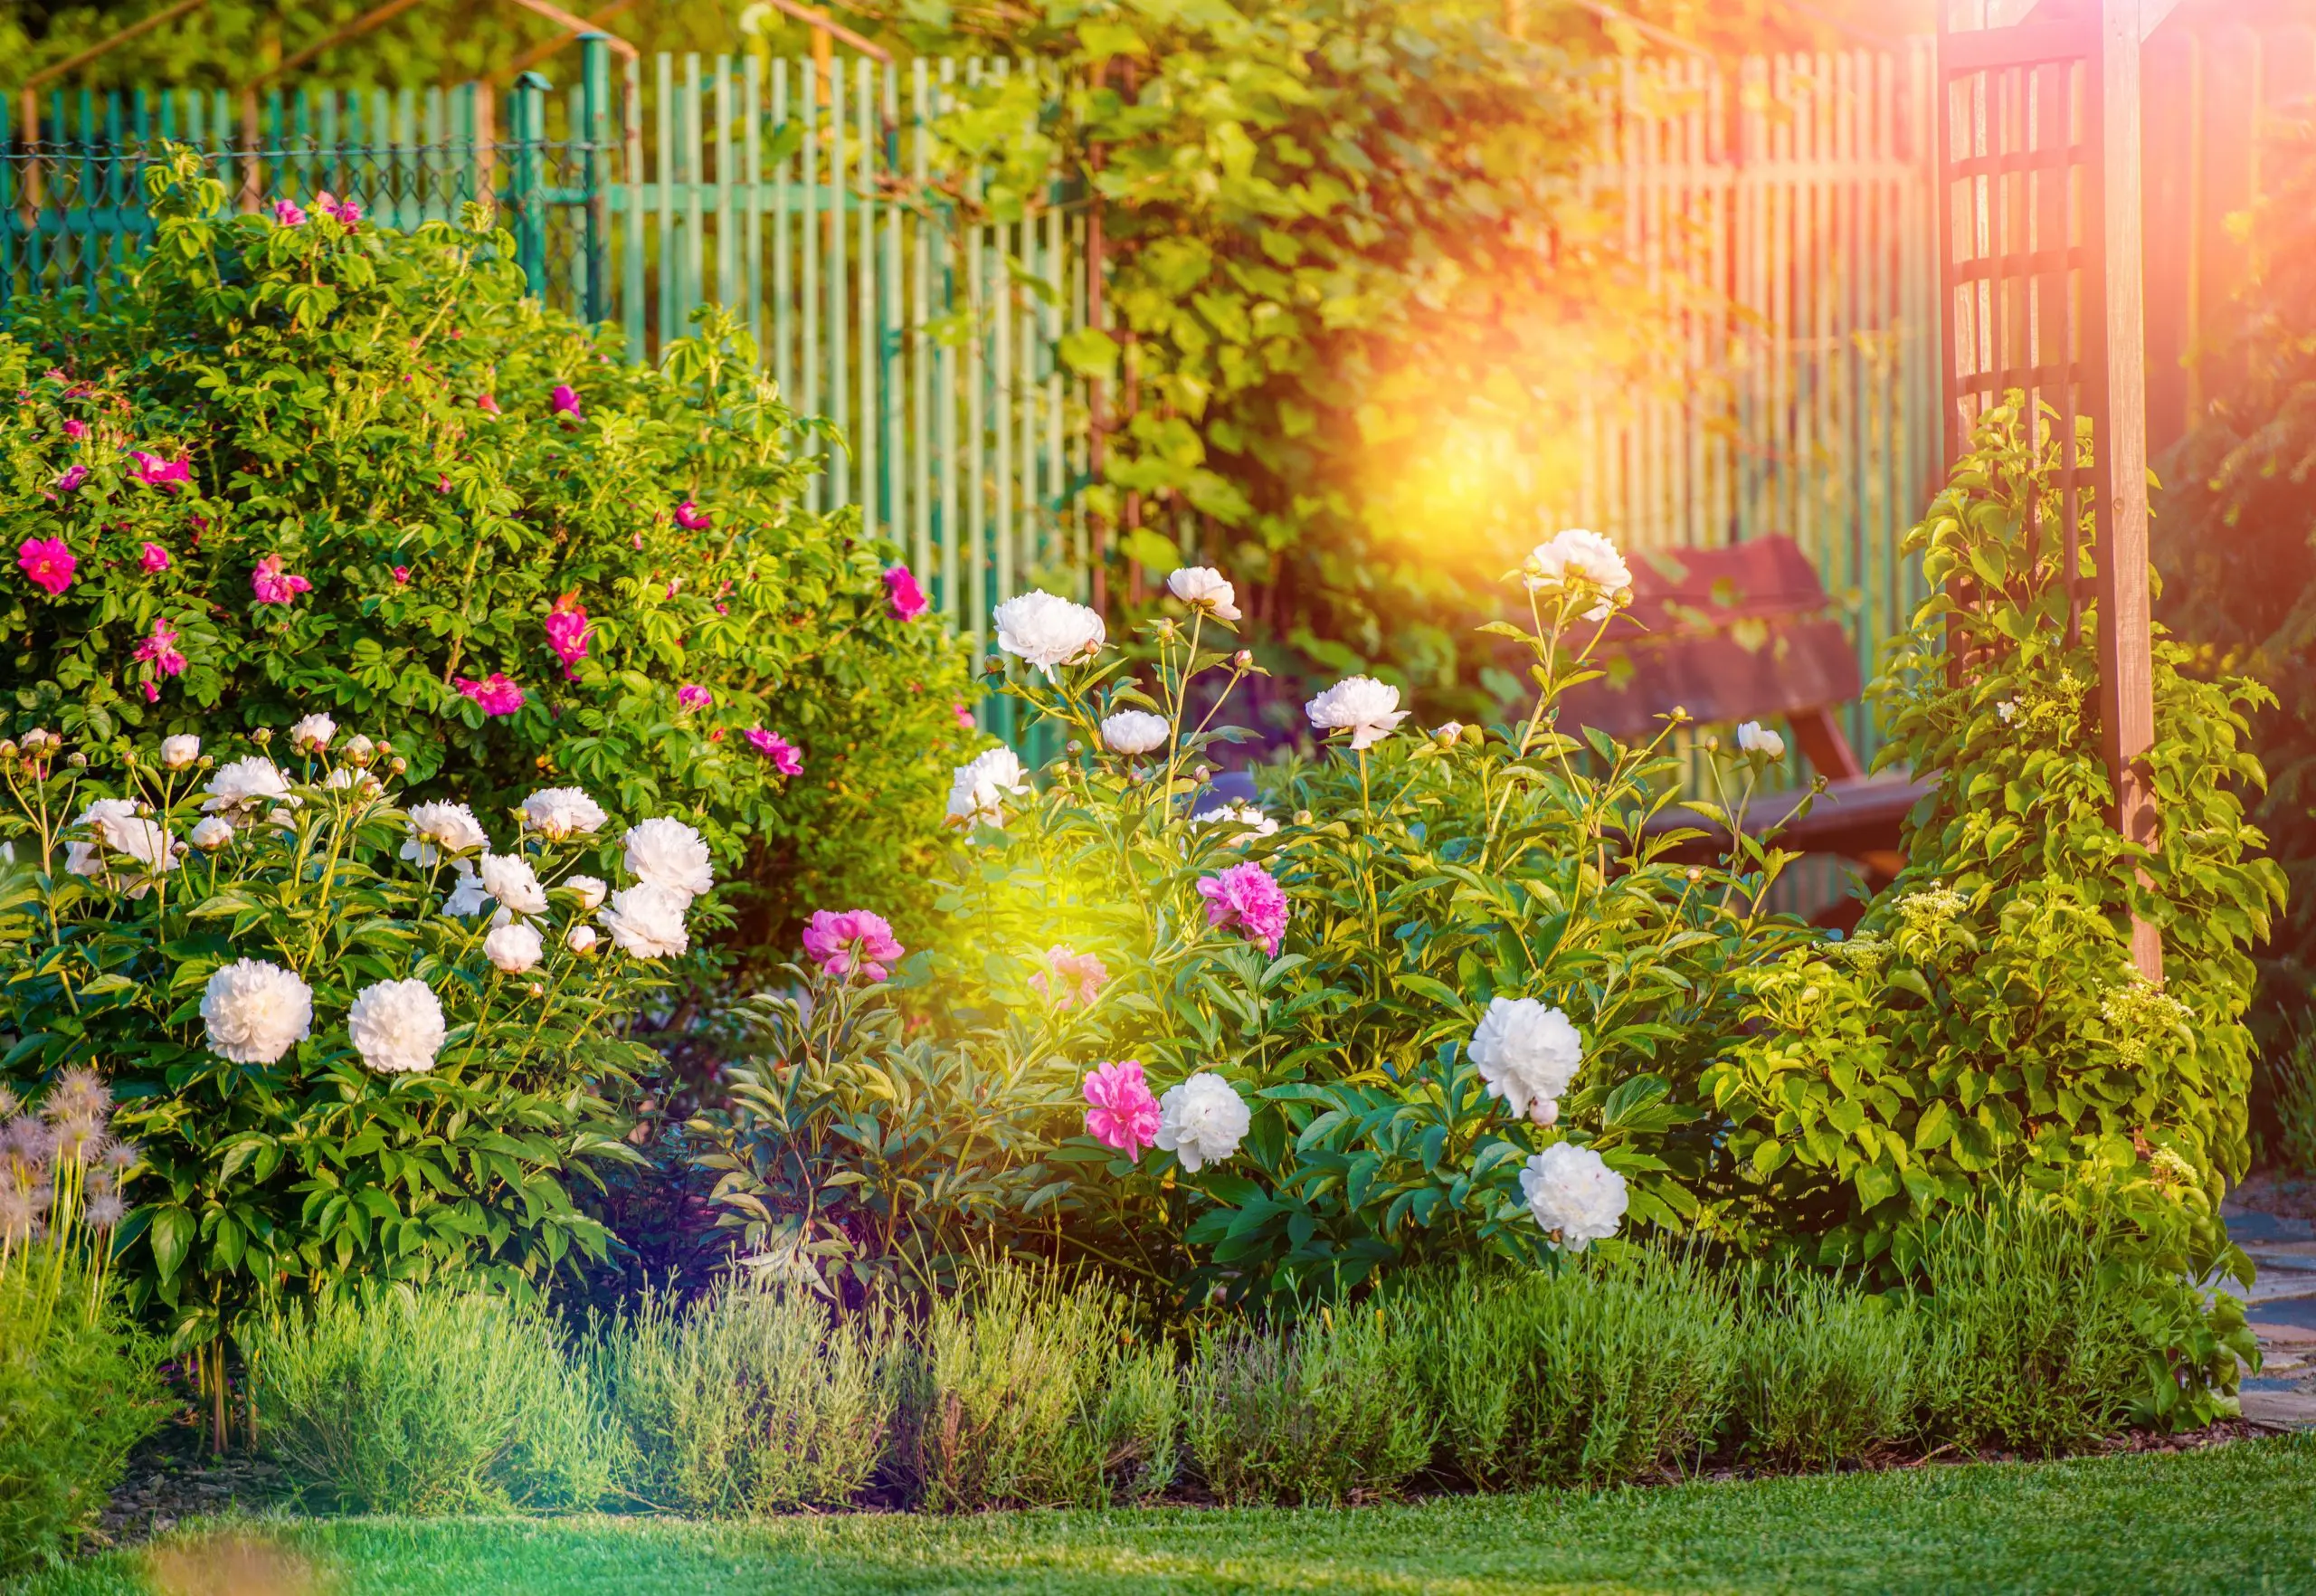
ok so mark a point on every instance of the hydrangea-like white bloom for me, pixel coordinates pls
(1048, 630)
(580, 939)
(978, 791)
(514, 949)
(468, 895)
(666, 853)
(1248, 819)
(1203, 587)
(648, 921)
(1134, 731)
(1567, 559)
(178, 752)
(397, 1027)
(1752, 739)
(211, 834)
(1527, 1054)
(1201, 1120)
(509, 878)
(1575, 1195)
(1366, 709)
(256, 1012)
(558, 812)
(436, 829)
(590, 889)
(312, 734)
(243, 783)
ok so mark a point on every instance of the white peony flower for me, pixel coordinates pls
(243, 783)
(648, 921)
(256, 1012)
(1575, 1195)
(1201, 1121)
(1752, 739)
(1527, 1054)
(449, 828)
(580, 939)
(397, 1027)
(978, 791)
(558, 812)
(1249, 816)
(1366, 709)
(148, 842)
(1134, 731)
(1048, 630)
(590, 889)
(178, 752)
(312, 734)
(666, 853)
(513, 948)
(211, 834)
(88, 859)
(509, 878)
(1203, 587)
(1576, 555)
(468, 894)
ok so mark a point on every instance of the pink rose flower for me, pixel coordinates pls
(566, 631)
(76, 429)
(442, 483)
(1062, 968)
(566, 401)
(71, 478)
(964, 716)
(346, 212)
(161, 650)
(273, 585)
(688, 517)
(778, 749)
(401, 575)
(902, 595)
(692, 696)
(853, 942)
(167, 475)
(1124, 1114)
(49, 562)
(1245, 896)
(488, 405)
(286, 213)
(497, 696)
(154, 559)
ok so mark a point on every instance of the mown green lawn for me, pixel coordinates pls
(2234, 1518)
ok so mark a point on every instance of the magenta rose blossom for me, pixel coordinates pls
(854, 941)
(567, 630)
(161, 650)
(497, 696)
(49, 562)
(167, 475)
(1124, 1114)
(274, 586)
(71, 477)
(401, 575)
(1245, 896)
(566, 401)
(346, 212)
(488, 405)
(442, 484)
(964, 716)
(906, 598)
(286, 213)
(76, 429)
(778, 749)
(692, 696)
(155, 559)
(1063, 968)
(690, 518)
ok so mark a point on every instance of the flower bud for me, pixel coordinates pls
(399, 764)
(360, 749)
(1696, 874)
(263, 736)
(7, 748)
(38, 742)
(386, 749)
(1203, 770)
(1243, 660)
(77, 760)
(580, 940)
(1073, 747)
(1302, 817)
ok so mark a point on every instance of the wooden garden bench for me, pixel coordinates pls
(1743, 633)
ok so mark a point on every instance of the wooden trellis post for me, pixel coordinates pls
(2038, 125)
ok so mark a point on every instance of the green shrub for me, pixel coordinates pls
(1825, 1373)
(1591, 1375)
(77, 1390)
(748, 1401)
(2290, 1069)
(1327, 1412)
(428, 1401)
(1023, 1390)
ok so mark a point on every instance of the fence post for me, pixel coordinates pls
(530, 200)
(595, 99)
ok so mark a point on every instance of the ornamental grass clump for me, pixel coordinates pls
(1329, 1411)
(749, 1399)
(428, 1400)
(1827, 1374)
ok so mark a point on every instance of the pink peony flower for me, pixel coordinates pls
(692, 696)
(286, 213)
(566, 631)
(71, 478)
(488, 405)
(497, 696)
(1124, 1114)
(76, 429)
(853, 941)
(401, 575)
(49, 562)
(688, 517)
(902, 595)
(566, 401)
(155, 559)
(1245, 896)
(778, 749)
(161, 648)
(1063, 967)
(167, 475)
(273, 585)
